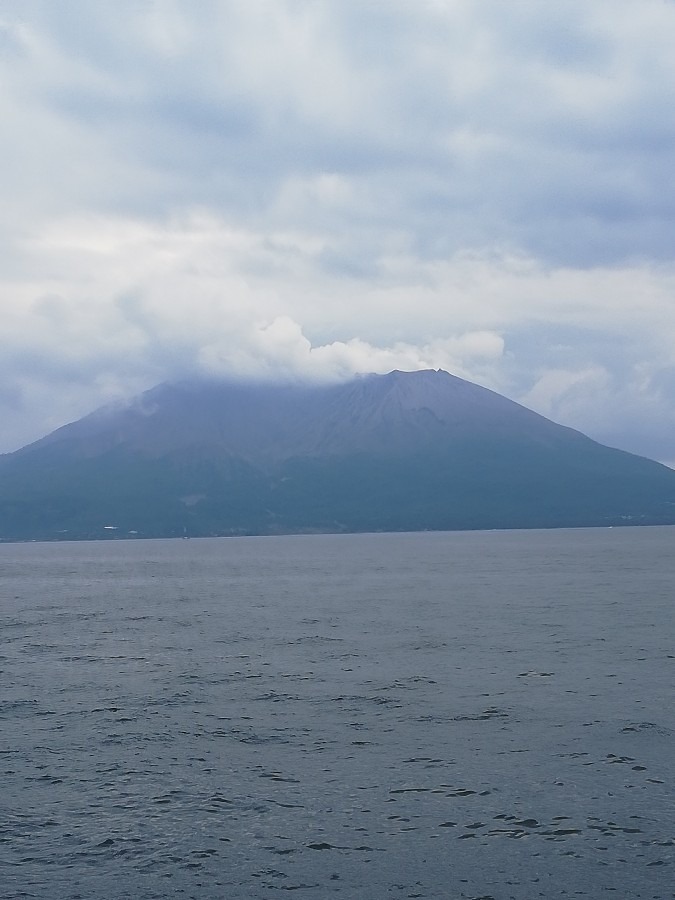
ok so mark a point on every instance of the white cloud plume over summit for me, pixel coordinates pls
(312, 189)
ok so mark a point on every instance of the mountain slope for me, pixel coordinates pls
(403, 451)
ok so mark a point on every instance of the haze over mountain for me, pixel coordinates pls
(403, 451)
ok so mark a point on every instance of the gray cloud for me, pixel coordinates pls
(307, 189)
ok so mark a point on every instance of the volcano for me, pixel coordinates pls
(406, 451)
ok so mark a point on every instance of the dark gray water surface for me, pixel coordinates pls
(470, 715)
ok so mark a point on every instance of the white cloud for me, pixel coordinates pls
(311, 189)
(567, 394)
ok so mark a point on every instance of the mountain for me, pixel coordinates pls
(403, 451)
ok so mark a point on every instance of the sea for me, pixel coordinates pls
(484, 715)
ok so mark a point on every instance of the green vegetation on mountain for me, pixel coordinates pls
(405, 451)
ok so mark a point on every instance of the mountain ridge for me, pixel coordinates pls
(367, 403)
(401, 451)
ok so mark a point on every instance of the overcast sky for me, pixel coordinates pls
(314, 188)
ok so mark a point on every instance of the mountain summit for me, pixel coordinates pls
(403, 451)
